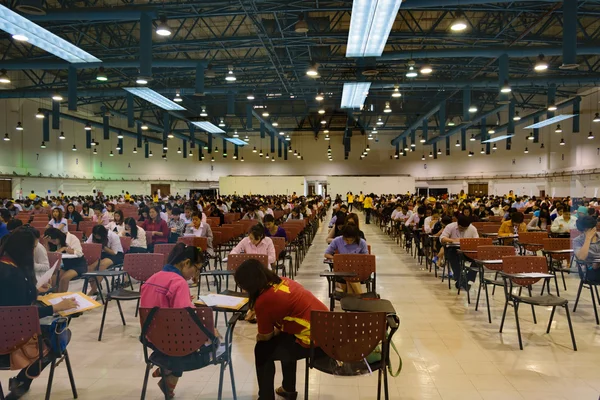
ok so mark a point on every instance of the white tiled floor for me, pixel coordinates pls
(449, 349)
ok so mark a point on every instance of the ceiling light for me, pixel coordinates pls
(19, 126)
(247, 139)
(134, 150)
(423, 157)
(451, 122)
(222, 123)
(596, 118)
(517, 117)
(541, 64)
(101, 75)
(505, 88)
(95, 152)
(590, 135)
(203, 113)
(354, 94)
(379, 121)
(162, 29)
(482, 151)
(323, 122)
(321, 111)
(472, 139)
(290, 150)
(491, 131)
(118, 147)
(370, 26)
(287, 138)
(319, 96)
(295, 152)
(387, 108)
(250, 96)
(235, 157)
(267, 156)
(191, 154)
(179, 150)
(4, 76)
(530, 136)
(312, 71)
(208, 127)
(471, 154)
(74, 148)
(281, 133)
(326, 131)
(473, 109)
(23, 29)
(111, 154)
(155, 98)
(62, 136)
(230, 77)
(426, 69)
(439, 152)
(562, 142)
(43, 145)
(254, 150)
(88, 127)
(260, 153)
(526, 150)
(242, 159)
(212, 159)
(235, 134)
(216, 149)
(396, 93)
(6, 137)
(57, 97)
(457, 143)
(558, 129)
(459, 24)
(422, 140)
(142, 80)
(413, 145)
(327, 137)
(265, 113)
(552, 107)
(368, 149)
(275, 124)
(542, 146)
(370, 137)
(165, 145)
(406, 148)
(299, 156)
(177, 98)
(495, 147)
(120, 135)
(411, 73)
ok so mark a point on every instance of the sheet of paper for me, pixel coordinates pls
(69, 256)
(212, 300)
(47, 276)
(533, 275)
(82, 302)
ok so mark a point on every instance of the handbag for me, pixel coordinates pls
(27, 354)
(58, 335)
(375, 356)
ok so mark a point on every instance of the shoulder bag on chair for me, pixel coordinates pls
(27, 354)
(375, 356)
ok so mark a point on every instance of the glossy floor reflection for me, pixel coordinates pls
(450, 351)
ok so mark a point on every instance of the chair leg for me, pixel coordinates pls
(145, 385)
(597, 295)
(221, 373)
(50, 379)
(478, 295)
(578, 295)
(555, 284)
(562, 274)
(487, 302)
(165, 385)
(379, 376)
(385, 383)
(121, 312)
(70, 372)
(594, 304)
(137, 307)
(102, 323)
(570, 327)
(494, 288)
(233, 392)
(518, 326)
(550, 320)
(306, 380)
(503, 316)
(532, 307)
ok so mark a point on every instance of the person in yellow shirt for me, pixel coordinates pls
(462, 195)
(368, 205)
(350, 198)
(32, 196)
(361, 199)
(513, 226)
(127, 197)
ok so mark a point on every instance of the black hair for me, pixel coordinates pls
(543, 214)
(421, 210)
(55, 233)
(176, 211)
(517, 217)
(120, 214)
(351, 231)
(13, 224)
(257, 231)
(181, 252)
(254, 277)
(132, 226)
(101, 231)
(157, 209)
(5, 214)
(98, 207)
(269, 218)
(586, 222)
(19, 246)
(446, 219)
(463, 221)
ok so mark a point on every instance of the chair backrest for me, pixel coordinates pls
(164, 249)
(248, 223)
(478, 225)
(471, 244)
(229, 218)
(149, 237)
(362, 264)
(54, 257)
(173, 331)
(235, 260)
(79, 235)
(495, 218)
(489, 228)
(347, 336)
(86, 227)
(41, 217)
(534, 238)
(524, 264)
(18, 325)
(196, 241)
(72, 227)
(227, 233)
(213, 221)
(558, 244)
(279, 244)
(217, 239)
(141, 266)
(91, 252)
(494, 253)
(39, 225)
(238, 229)
(125, 243)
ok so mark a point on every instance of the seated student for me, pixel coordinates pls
(295, 214)
(431, 221)
(18, 288)
(469, 213)
(112, 252)
(587, 247)
(186, 217)
(283, 309)
(452, 233)
(73, 215)
(481, 212)
(176, 225)
(200, 228)
(271, 229)
(100, 216)
(252, 214)
(413, 221)
(349, 242)
(117, 225)
(85, 210)
(352, 219)
(564, 223)
(69, 244)
(169, 289)
(4, 219)
(144, 213)
(343, 210)
(158, 228)
(256, 243)
(57, 221)
(336, 230)
(137, 235)
(540, 221)
(514, 226)
(216, 212)
(110, 210)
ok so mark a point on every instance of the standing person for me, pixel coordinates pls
(158, 228)
(350, 199)
(368, 205)
(283, 309)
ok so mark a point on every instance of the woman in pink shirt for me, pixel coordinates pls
(256, 243)
(169, 289)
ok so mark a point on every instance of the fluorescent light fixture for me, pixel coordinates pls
(275, 124)
(550, 121)
(354, 94)
(370, 26)
(20, 27)
(239, 142)
(208, 127)
(250, 96)
(155, 98)
(498, 138)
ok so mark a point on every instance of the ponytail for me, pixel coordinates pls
(181, 252)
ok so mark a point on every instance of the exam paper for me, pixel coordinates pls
(46, 277)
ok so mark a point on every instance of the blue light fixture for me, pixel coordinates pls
(497, 138)
(354, 94)
(239, 142)
(550, 121)
(370, 26)
(208, 127)
(155, 98)
(24, 30)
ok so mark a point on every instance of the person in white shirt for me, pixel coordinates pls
(58, 221)
(564, 223)
(414, 219)
(112, 252)
(452, 234)
(295, 214)
(431, 221)
(117, 225)
(137, 235)
(397, 211)
(41, 264)
(67, 244)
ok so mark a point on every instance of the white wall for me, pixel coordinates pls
(245, 185)
(370, 184)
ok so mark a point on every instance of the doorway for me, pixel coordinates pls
(165, 189)
(478, 189)
(6, 189)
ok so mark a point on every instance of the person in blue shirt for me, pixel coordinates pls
(349, 242)
(4, 218)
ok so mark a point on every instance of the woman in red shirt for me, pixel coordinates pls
(157, 227)
(283, 310)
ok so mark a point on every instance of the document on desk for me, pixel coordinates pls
(46, 277)
(224, 301)
(532, 275)
(84, 303)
